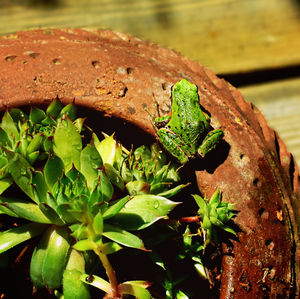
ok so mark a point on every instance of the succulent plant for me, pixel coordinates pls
(214, 214)
(30, 135)
(141, 171)
(71, 200)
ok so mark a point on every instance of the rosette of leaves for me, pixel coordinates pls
(72, 204)
(141, 171)
(214, 215)
(30, 135)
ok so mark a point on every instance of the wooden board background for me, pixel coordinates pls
(255, 44)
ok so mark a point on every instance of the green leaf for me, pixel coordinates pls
(135, 288)
(4, 184)
(70, 111)
(138, 187)
(73, 287)
(4, 140)
(36, 115)
(54, 108)
(57, 245)
(97, 282)
(114, 176)
(110, 247)
(53, 170)
(90, 162)
(98, 223)
(35, 144)
(25, 209)
(15, 236)
(67, 144)
(76, 261)
(39, 186)
(143, 210)
(201, 202)
(20, 170)
(172, 192)
(9, 126)
(107, 149)
(122, 237)
(228, 229)
(115, 208)
(84, 245)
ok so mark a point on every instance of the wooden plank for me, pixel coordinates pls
(280, 103)
(228, 36)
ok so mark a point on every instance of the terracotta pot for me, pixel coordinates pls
(120, 75)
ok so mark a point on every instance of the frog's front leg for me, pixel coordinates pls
(210, 141)
(172, 144)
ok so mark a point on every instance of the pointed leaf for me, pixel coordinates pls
(35, 144)
(67, 144)
(36, 115)
(9, 126)
(172, 192)
(4, 184)
(20, 170)
(40, 187)
(110, 247)
(143, 210)
(107, 149)
(15, 236)
(130, 288)
(122, 237)
(54, 108)
(114, 176)
(115, 208)
(97, 282)
(25, 209)
(90, 162)
(202, 204)
(53, 171)
(70, 111)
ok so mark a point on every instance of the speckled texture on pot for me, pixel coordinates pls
(120, 75)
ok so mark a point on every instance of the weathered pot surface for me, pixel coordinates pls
(119, 75)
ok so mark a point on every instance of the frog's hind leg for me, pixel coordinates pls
(172, 144)
(210, 141)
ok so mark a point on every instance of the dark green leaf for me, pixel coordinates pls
(36, 115)
(53, 170)
(54, 108)
(114, 176)
(35, 144)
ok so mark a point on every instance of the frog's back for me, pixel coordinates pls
(187, 116)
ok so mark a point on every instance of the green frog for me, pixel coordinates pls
(186, 132)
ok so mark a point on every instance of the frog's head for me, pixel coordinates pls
(184, 91)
